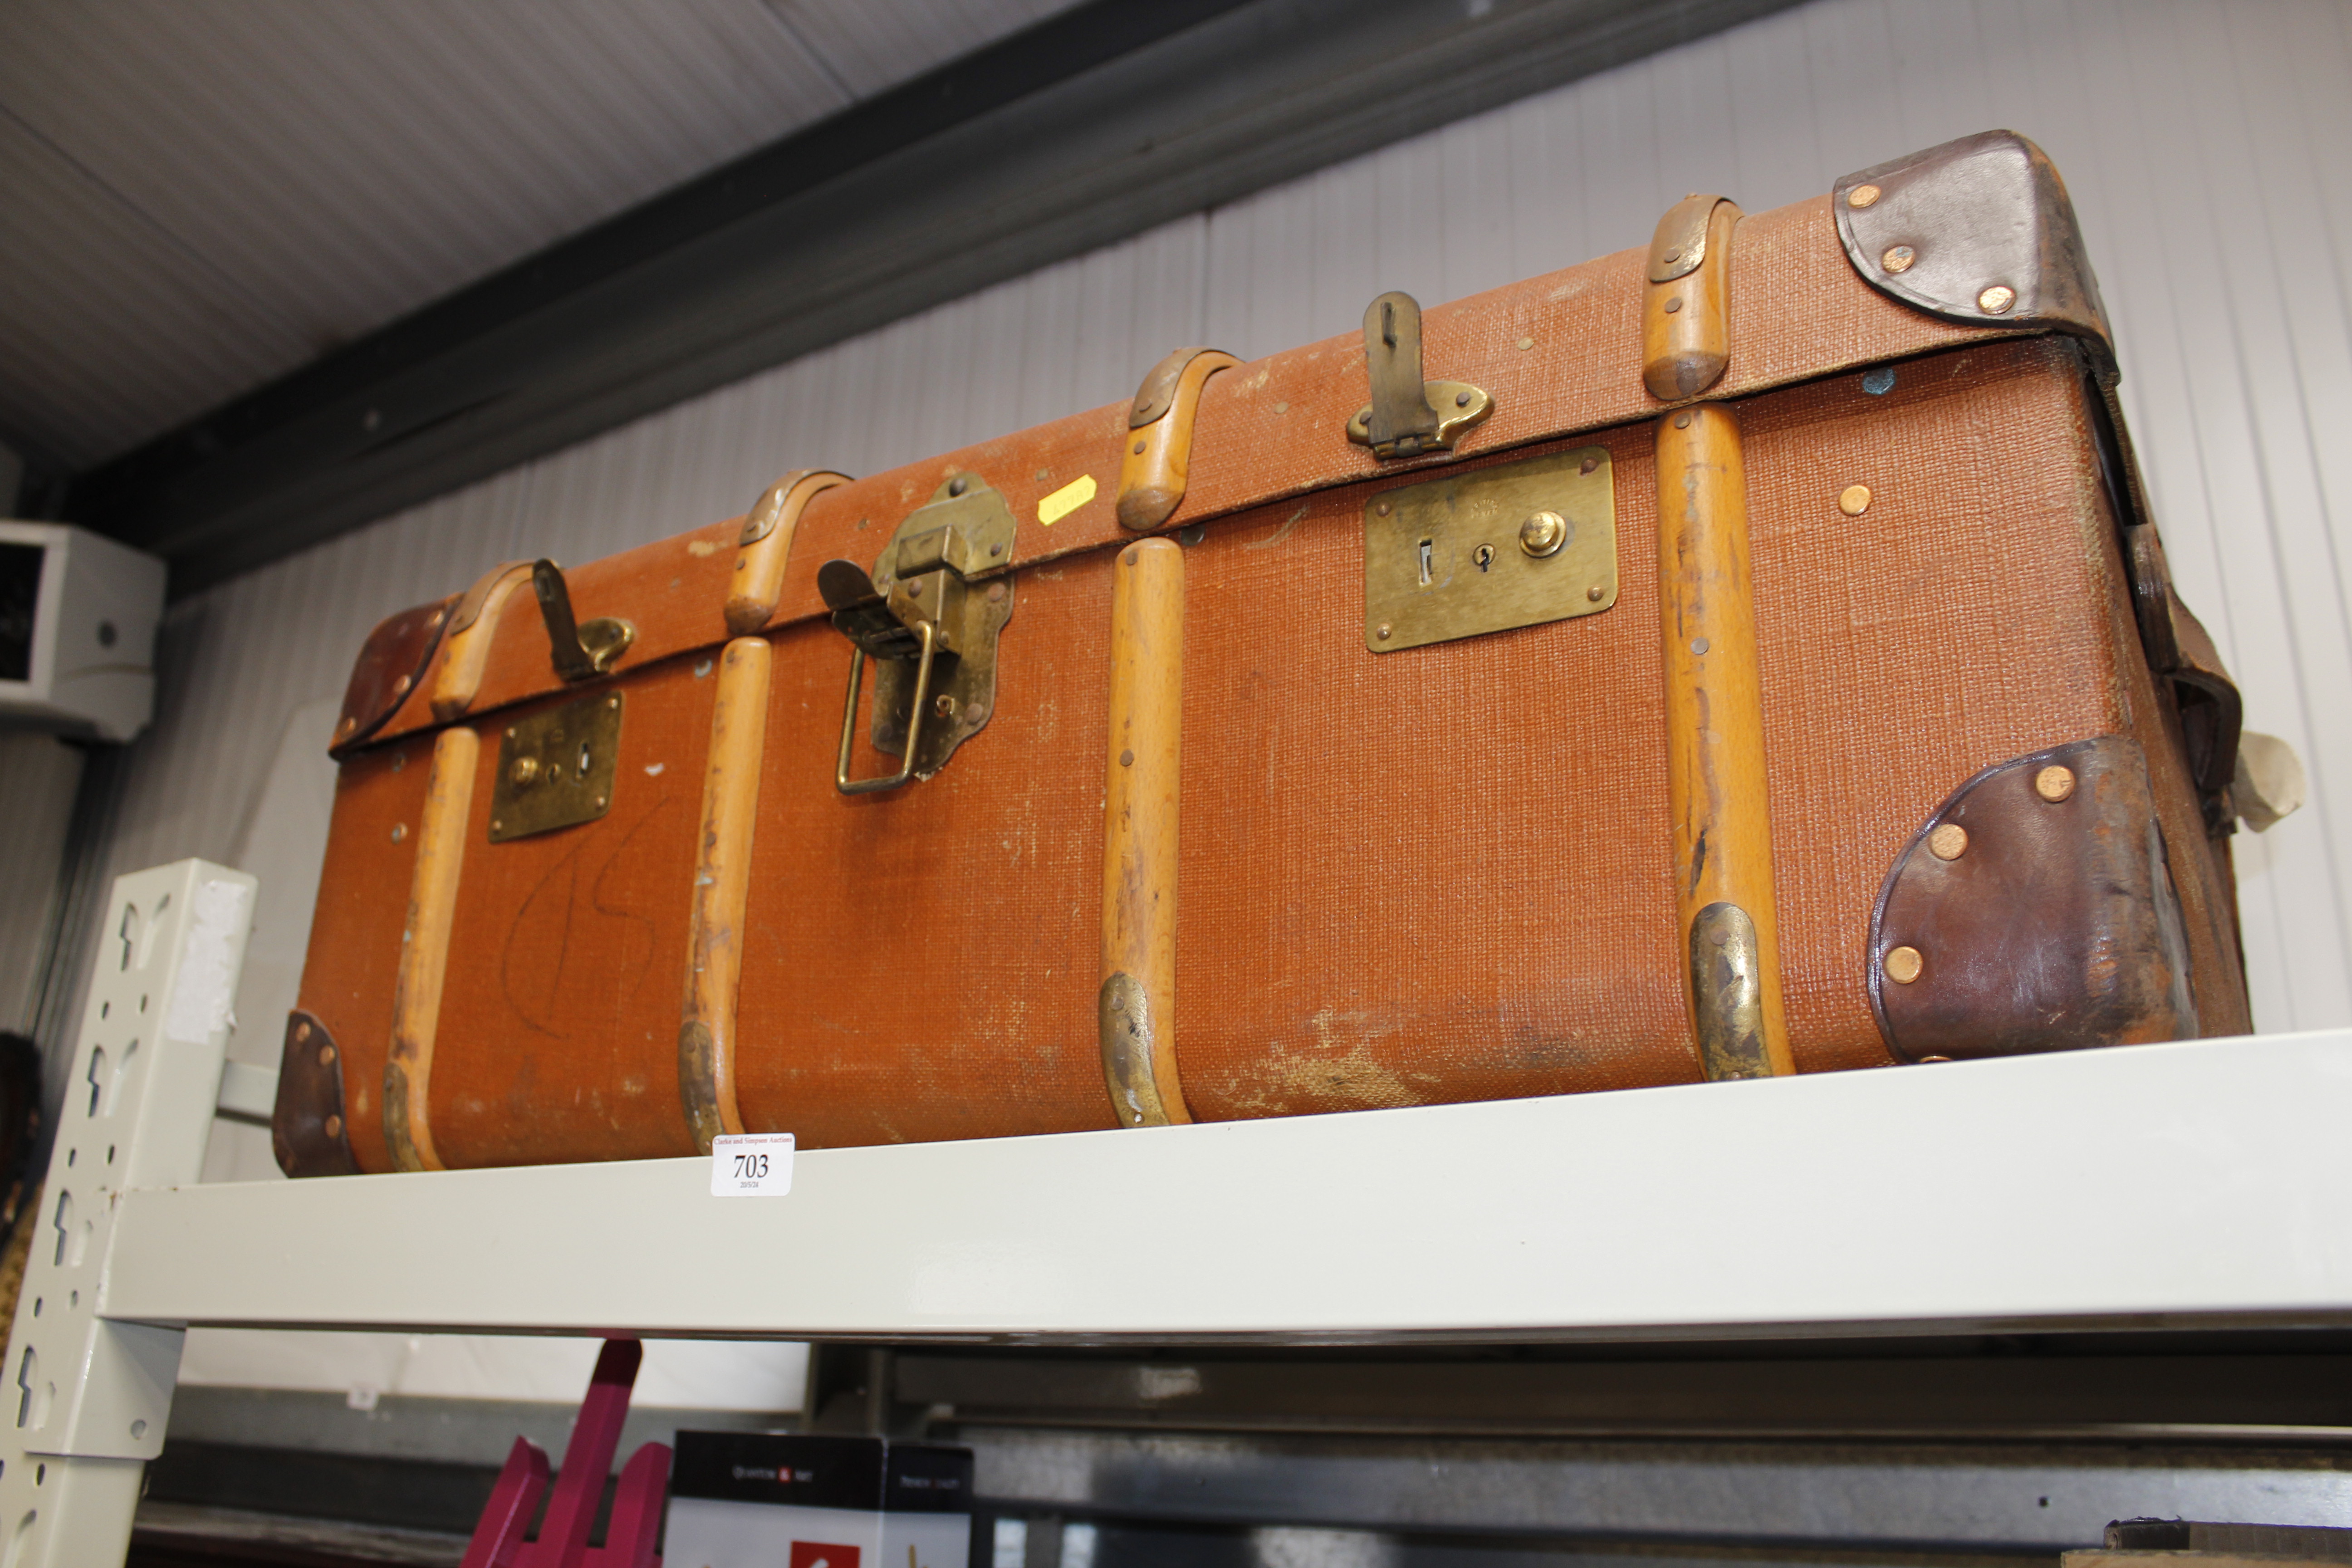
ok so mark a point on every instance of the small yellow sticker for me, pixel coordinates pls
(1067, 500)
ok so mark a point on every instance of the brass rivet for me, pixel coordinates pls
(509, 731)
(973, 712)
(350, 724)
(1898, 259)
(1138, 446)
(326, 1056)
(333, 1127)
(1861, 196)
(1855, 500)
(1461, 400)
(1673, 304)
(1587, 466)
(1903, 964)
(1525, 343)
(1593, 593)
(1129, 557)
(1672, 256)
(958, 485)
(944, 705)
(1382, 508)
(1382, 632)
(600, 803)
(495, 824)
(2054, 784)
(1681, 421)
(400, 687)
(1949, 842)
(525, 769)
(399, 831)
(1997, 299)
(612, 702)
(435, 620)
(996, 593)
(1543, 533)
(301, 1032)
(1127, 759)
(997, 548)
(1699, 647)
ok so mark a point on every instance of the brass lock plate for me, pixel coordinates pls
(1515, 546)
(556, 768)
(967, 528)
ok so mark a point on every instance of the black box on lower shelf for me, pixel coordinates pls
(756, 1500)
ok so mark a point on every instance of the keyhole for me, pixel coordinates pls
(1424, 561)
(1484, 555)
(1388, 332)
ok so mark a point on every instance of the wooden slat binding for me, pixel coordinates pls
(766, 543)
(467, 647)
(722, 885)
(1144, 776)
(1687, 304)
(1154, 466)
(441, 834)
(1715, 748)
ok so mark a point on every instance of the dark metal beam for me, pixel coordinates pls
(1091, 127)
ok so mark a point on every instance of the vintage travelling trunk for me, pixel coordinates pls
(1747, 656)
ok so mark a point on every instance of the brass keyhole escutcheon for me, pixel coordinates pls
(1484, 555)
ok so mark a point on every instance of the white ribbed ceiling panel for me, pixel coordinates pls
(196, 199)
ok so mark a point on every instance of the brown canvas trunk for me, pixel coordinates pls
(1902, 752)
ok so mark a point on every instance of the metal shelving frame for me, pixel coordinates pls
(2203, 1185)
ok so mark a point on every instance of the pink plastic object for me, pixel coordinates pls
(587, 1460)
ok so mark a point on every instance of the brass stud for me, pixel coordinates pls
(1138, 446)
(495, 824)
(1382, 508)
(1127, 759)
(349, 725)
(996, 593)
(326, 1056)
(600, 803)
(1997, 299)
(1673, 304)
(1382, 631)
(1587, 466)
(1855, 500)
(1949, 842)
(1898, 259)
(1593, 593)
(1903, 964)
(399, 831)
(1861, 196)
(333, 1127)
(400, 687)
(1681, 421)
(301, 1033)
(2054, 784)
(1543, 533)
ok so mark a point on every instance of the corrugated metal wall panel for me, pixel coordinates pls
(2196, 137)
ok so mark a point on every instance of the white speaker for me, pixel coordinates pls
(77, 616)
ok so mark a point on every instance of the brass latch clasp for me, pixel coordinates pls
(580, 652)
(1409, 416)
(928, 616)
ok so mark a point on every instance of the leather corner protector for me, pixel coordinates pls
(1978, 231)
(1156, 461)
(2033, 911)
(391, 662)
(305, 1127)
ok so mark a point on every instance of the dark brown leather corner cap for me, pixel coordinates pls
(306, 1128)
(2034, 911)
(1978, 231)
(390, 665)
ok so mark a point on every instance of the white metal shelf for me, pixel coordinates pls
(2203, 1183)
